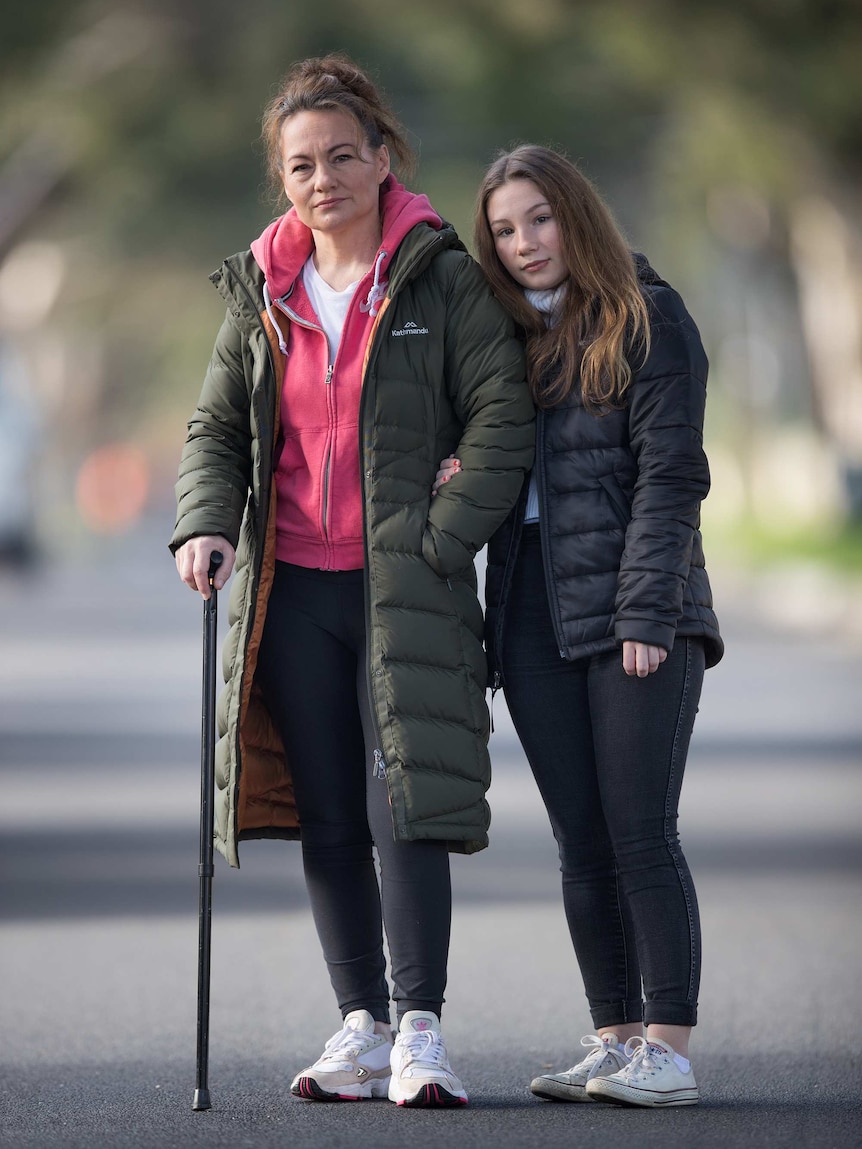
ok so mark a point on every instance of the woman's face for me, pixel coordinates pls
(331, 175)
(526, 235)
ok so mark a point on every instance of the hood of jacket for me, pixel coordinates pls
(647, 275)
(284, 246)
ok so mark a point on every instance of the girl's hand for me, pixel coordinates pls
(193, 562)
(448, 468)
(641, 659)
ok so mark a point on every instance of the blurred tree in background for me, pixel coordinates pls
(727, 136)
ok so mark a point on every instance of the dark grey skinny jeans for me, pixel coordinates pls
(608, 753)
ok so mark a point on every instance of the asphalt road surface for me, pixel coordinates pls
(99, 761)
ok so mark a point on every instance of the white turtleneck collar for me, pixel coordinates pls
(549, 302)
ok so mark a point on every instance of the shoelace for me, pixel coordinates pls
(601, 1049)
(643, 1058)
(424, 1048)
(345, 1042)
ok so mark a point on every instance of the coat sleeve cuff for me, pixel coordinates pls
(639, 630)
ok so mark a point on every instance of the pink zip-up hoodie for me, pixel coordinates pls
(318, 482)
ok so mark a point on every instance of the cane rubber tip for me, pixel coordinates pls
(202, 1100)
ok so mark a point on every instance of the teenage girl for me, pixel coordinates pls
(599, 611)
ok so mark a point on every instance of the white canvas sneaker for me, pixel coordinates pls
(651, 1078)
(605, 1057)
(421, 1074)
(354, 1064)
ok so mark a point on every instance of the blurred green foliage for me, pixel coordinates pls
(755, 545)
(145, 114)
(160, 100)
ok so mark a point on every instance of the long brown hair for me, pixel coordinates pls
(324, 83)
(603, 321)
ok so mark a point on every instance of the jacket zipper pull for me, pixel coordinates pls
(328, 378)
(379, 770)
(495, 686)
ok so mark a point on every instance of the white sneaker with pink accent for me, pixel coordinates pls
(422, 1077)
(354, 1064)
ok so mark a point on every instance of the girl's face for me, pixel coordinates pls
(526, 235)
(331, 175)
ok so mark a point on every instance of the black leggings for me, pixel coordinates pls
(312, 670)
(608, 752)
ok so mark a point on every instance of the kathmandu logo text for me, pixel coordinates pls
(410, 329)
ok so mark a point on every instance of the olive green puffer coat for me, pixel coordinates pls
(458, 388)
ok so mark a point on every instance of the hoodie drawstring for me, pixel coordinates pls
(267, 302)
(378, 290)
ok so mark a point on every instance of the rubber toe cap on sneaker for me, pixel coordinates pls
(550, 1089)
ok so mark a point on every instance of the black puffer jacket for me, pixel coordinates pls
(619, 498)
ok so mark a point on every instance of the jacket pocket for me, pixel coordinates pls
(444, 553)
(617, 497)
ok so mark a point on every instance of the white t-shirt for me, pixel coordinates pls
(329, 305)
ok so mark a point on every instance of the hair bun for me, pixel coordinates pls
(324, 83)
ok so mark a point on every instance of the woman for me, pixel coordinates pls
(360, 343)
(599, 612)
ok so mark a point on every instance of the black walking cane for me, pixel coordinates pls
(205, 869)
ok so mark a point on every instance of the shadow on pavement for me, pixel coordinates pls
(94, 873)
(77, 867)
(121, 751)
